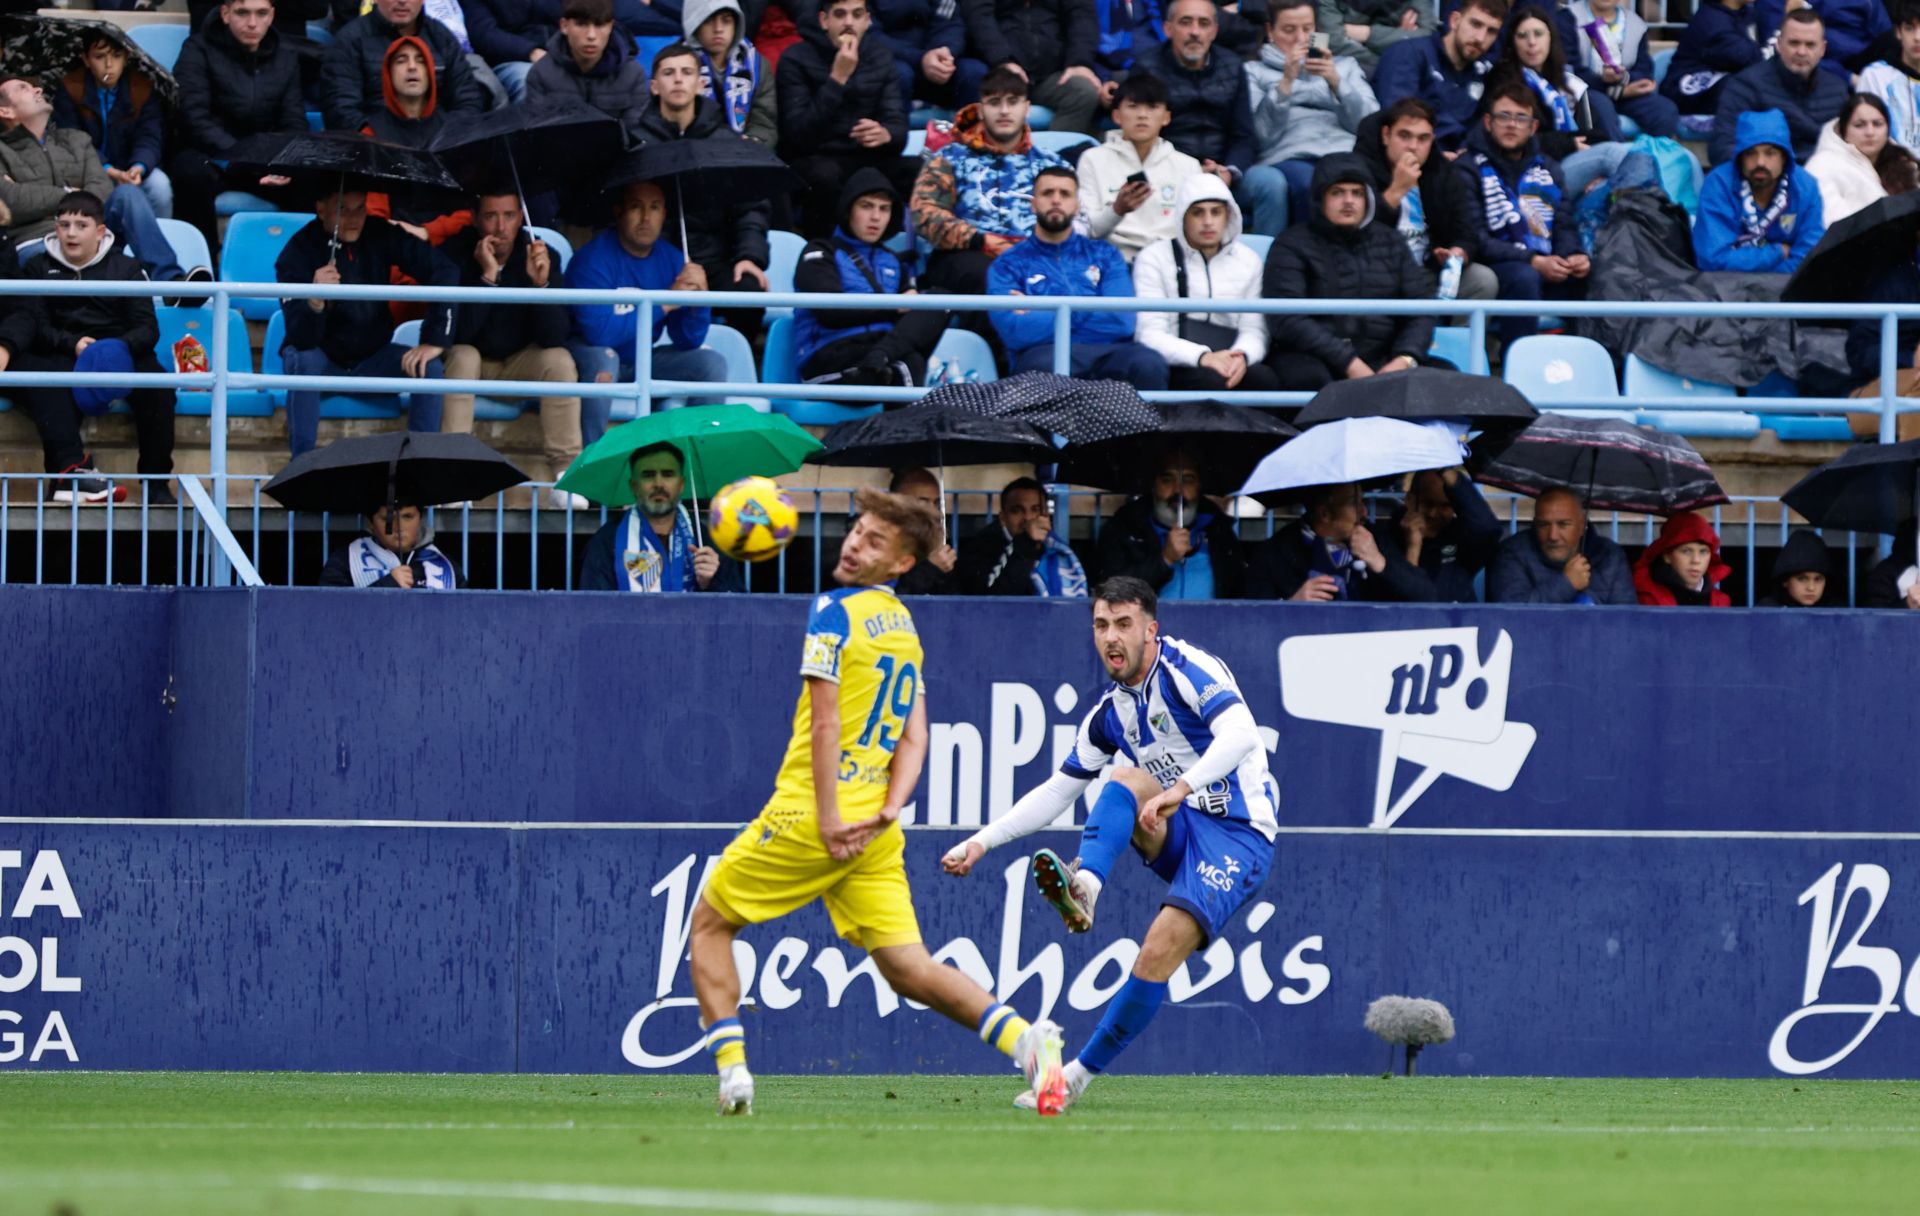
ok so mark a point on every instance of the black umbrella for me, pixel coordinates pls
(325, 158)
(537, 150)
(408, 468)
(707, 174)
(932, 436)
(1422, 394)
(1612, 465)
(1079, 411)
(1855, 250)
(1871, 488)
(1226, 441)
(42, 49)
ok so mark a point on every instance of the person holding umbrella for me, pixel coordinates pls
(935, 575)
(344, 244)
(1173, 539)
(1560, 560)
(651, 547)
(1895, 582)
(395, 550)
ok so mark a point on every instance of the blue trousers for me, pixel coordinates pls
(303, 406)
(130, 216)
(1262, 195)
(1128, 361)
(668, 364)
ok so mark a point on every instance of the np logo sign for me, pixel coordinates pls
(1438, 697)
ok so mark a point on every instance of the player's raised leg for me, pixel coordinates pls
(717, 984)
(1110, 827)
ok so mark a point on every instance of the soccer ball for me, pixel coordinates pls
(751, 520)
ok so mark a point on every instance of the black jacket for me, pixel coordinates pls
(1808, 105)
(927, 579)
(1445, 192)
(505, 31)
(713, 234)
(53, 324)
(817, 112)
(499, 330)
(911, 28)
(600, 565)
(617, 86)
(1041, 36)
(1212, 116)
(228, 93)
(1881, 587)
(1130, 545)
(290, 19)
(1278, 567)
(1805, 553)
(1444, 574)
(350, 79)
(1319, 261)
(351, 330)
(991, 562)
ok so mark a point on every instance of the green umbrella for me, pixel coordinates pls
(718, 444)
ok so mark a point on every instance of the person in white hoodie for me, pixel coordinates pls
(1205, 351)
(1127, 184)
(1856, 163)
(1307, 103)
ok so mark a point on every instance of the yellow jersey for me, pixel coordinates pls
(863, 639)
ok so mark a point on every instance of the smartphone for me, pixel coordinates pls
(1140, 177)
(1321, 46)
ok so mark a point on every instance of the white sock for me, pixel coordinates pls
(1091, 883)
(1076, 1074)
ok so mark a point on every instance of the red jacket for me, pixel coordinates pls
(1680, 530)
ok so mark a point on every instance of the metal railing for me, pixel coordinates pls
(645, 389)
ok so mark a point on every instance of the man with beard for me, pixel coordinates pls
(652, 546)
(1791, 82)
(1174, 540)
(1759, 212)
(1187, 787)
(1447, 71)
(1060, 262)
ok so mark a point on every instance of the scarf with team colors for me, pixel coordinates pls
(1522, 215)
(1754, 225)
(741, 74)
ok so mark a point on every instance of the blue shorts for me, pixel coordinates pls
(1213, 866)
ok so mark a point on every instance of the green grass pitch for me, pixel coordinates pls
(207, 1144)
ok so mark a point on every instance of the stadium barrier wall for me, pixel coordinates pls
(475, 948)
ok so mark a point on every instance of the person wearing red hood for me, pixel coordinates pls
(1682, 567)
(411, 119)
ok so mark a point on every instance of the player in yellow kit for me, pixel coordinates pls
(832, 832)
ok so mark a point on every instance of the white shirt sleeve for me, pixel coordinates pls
(1235, 736)
(1041, 806)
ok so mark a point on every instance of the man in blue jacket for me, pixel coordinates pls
(631, 254)
(1060, 262)
(1759, 212)
(1447, 71)
(1721, 39)
(1790, 82)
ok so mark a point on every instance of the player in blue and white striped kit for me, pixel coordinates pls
(1188, 743)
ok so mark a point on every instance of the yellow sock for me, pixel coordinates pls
(728, 1043)
(1001, 1028)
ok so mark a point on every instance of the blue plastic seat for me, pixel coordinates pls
(1662, 62)
(922, 114)
(1061, 142)
(189, 244)
(233, 202)
(332, 405)
(1258, 243)
(320, 32)
(963, 355)
(1809, 428)
(316, 121)
(646, 48)
(1039, 118)
(783, 255)
(162, 41)
(562, 248)
(178, 323)
(253, 243)
(779, 365)
(1643, 379)
(732, 345)
(1454, 343)
(1550, 368)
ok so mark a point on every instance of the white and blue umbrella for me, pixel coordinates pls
(1351, 450)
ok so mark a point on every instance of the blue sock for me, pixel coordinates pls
(1109, 829)
(1127, 1015)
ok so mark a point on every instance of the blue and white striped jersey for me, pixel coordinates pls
(1165, 725)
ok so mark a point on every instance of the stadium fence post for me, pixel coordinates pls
(1477, 342)
(1889, 396)
(1062, 335)
(217, 426)
(643, 359)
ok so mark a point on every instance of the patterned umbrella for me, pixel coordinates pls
(935, 437)
(1227, 441)
(43, 49)
(1079, 411)
(1611, 464)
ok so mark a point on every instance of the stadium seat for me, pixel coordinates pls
(1039, 118)
(732, 345)
(1643, 379)
(253, 243)
(178, 323)
(1454, 343)
(1809, 428)
(316, 121)
(233, 202)
(320, 32)
(783, 250)
(963, 355)
(1662, 60)
(646, 48)
(332, 405)
(779, 365)
(562, 248)
(1061, 142)
(162, 41)
(916, 143)
(189, 245)
(921, 115)
(1556, 367)
(1259, 244)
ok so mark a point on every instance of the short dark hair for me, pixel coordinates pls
(81, 202)
(1805, 16)
(1496, 9)
(1276, 7)
(94, 35)
(1023, 483)
(1513, 89)
(591, 12)
(1400, 111)
(1057, 171)
(1142, 89)
(673, 50)
(1326, 500)
(1003, 81)
(1126, 589)
(653, 449)
(902, 476)
(919, 522)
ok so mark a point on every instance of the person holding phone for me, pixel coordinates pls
(1307, 103)
(1127, 185)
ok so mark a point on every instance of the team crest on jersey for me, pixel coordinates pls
(1162, 723)
(1093, 275)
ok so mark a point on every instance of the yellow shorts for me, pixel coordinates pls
(778, 865)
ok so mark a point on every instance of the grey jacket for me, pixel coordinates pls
(1335, 15)
(40, 175)
(1311, 120)
(1521, 575)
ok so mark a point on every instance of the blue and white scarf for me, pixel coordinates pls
(1333, 560)
(369, 561)
(1553, 99)
(1754, 224)
(1523, 215)
(1057, 572)
(1193, 577)
(648, 567)
(740, 75)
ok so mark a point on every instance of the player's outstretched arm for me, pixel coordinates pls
(1041, 806)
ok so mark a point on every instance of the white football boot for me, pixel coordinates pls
(736, 1091)
(1066, 889)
